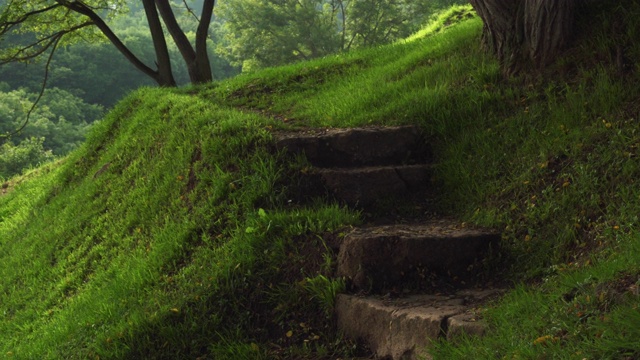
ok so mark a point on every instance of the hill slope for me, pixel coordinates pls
(171, 233)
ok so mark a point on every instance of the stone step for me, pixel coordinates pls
(364, 186)
(358, 146)
(403, 328)
(381, 258)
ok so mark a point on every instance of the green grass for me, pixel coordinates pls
(148, 242)
(170, 234)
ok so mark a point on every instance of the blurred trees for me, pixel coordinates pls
(28, 153)
(61, 118)
(260, 33)
(56, 127)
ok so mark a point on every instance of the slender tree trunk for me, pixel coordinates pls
(344, 26)
(526, 33)
(179, 37)
(197, 60)
(202, 34)
(165, 75)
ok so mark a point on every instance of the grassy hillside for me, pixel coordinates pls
(175, 231)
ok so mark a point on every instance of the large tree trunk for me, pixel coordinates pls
(526, 33)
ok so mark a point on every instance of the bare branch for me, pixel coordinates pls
(55, 43)
(190, 10)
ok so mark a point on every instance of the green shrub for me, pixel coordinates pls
(28, 153)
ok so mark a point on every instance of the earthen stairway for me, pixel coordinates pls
(409, 282)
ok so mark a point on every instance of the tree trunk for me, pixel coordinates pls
(197, 60)
(165, 75)
(526, 33)
(202, 34)
(548, 28)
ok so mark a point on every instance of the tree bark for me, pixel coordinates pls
(202, 34)
(165, 75)
(179, 37)
(197, 60)
(526, 33)
(548, 28)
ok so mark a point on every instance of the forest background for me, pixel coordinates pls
(86, 78)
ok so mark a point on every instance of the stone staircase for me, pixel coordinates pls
(365, 166)
(410, 282)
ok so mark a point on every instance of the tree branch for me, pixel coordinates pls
(48, 42)
(190, 10)
(55, 43)
(5, 27)
(163, 61)
(202, 33)
(83, 9)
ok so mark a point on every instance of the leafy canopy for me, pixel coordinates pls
(39, 24)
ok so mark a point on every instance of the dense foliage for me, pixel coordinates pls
(260, 33)
(28, 153)
(57, 126)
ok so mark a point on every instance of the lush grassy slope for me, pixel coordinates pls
(170, 234)
(149, 242)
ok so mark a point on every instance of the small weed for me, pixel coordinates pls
(324, 291)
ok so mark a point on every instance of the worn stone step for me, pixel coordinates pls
(364, 186)
(379, 258)
(358, 146)
(403, 328)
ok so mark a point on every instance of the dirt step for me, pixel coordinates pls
(364, 186)
(379, 258)
(404, 328)
(358, 146)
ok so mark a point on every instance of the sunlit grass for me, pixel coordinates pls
(442, 20)
(118, 251)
